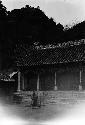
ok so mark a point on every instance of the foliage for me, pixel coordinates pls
(30, 26)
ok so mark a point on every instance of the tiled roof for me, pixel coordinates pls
(27, 57)
(7, 76)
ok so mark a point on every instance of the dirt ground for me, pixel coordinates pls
(63, 105)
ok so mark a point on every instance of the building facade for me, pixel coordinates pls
(59, 68)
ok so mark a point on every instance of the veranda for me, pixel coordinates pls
(60, 77)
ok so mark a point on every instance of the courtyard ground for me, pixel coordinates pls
(54, 105)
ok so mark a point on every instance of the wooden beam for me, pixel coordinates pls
(80, 77)
(23, 81)
(19, 77)
(38, 79)
(55, 87)
(80, 80)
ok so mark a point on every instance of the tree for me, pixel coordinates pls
(76, 32)
(3, 11)
(3, 27)
(30, 25)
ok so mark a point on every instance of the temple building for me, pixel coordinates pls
(52, 68)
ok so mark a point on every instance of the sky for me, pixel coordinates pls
(66, 12)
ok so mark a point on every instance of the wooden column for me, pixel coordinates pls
(19, 77)
(23, 82)
(55, 87)
(38, 82)
(80, 80)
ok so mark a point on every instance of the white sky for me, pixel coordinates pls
(63, 11)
